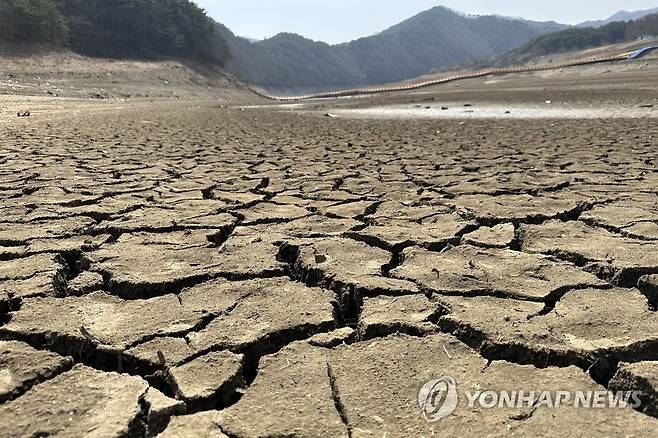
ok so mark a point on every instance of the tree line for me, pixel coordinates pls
(583, 38)
(115, 28)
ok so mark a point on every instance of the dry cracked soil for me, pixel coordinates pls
(185, 269)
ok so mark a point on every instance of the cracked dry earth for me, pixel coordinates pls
(181, 270)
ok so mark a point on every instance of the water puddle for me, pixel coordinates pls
(483, 111)
(286, 106)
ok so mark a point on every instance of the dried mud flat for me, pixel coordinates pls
(191, 270)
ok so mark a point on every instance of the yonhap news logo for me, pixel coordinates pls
(439, 398)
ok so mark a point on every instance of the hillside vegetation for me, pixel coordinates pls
(435, 39)
(115, 28)
(32, 21)
(583, 38)
(620, 16)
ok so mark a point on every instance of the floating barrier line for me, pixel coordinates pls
(429, 83)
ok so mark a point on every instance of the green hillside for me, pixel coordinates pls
(583, 38)
(114, 28)
(435, 39)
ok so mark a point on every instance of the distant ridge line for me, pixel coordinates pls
(417, 85)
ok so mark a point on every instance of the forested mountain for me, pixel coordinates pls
(32, 21)
(620, 16)
(434, 39)
(583, 38)
(289, 61)
(115, 28)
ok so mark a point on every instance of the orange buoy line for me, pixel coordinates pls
(429, 83)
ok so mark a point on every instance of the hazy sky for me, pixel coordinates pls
(336, 21)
